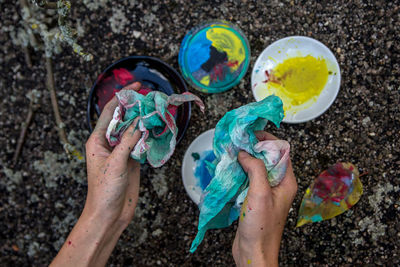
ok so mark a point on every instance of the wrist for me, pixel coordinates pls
(102, 221)
(90, 242)
(259, 254)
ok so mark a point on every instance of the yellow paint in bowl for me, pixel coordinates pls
(298, 81)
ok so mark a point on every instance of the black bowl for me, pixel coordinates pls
(151, 72)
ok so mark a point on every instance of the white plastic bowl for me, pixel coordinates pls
(295, 46)
(202, 143)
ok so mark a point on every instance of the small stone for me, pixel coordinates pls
(157, 232)
(365, 121)
(136, 34)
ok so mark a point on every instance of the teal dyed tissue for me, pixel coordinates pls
(155, 113)
(221, 200)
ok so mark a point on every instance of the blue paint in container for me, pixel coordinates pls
(205, 167)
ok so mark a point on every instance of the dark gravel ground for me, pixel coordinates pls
(43, 195)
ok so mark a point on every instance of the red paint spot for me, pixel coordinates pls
(69, 243)
(333, 184)
(172, 109)
(232, 64)
(123, 76)
(348, 204)
(267, 75)
(250, 208)
(218, 73)
(144, 90)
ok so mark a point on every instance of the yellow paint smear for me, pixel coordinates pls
(243, 209)
(205, 80)
(225, 40)
(298, 81)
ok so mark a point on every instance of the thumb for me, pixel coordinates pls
(256, 172)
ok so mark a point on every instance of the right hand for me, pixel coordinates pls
(263, 213)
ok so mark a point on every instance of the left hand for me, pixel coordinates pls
(113, 177)
(113, 191)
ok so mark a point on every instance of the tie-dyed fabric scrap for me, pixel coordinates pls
(222, 199)
(333, 192)
(156, 122)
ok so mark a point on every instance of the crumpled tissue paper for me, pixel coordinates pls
(222, 199)
(156, 122)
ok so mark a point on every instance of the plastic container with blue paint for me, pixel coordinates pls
(214, 56)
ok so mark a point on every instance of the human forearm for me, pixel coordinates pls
(90, 242)
(256, 254)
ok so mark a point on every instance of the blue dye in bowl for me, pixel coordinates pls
(214, 56)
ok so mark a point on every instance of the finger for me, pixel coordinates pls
(286, 190)
(133, 86)
(128, 141)
(106, 116)
(256, 172)
(262, 135)
(133, 181)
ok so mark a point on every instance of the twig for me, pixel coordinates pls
(69, 149)
(27, 56)
(22, 135)
(54, 103)
(68, 33)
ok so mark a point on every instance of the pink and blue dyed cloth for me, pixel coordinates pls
(155, 111)
(222, 199)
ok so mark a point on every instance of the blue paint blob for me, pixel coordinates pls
(151, 78)
(316, 218)
(198, 52)
(204, 171)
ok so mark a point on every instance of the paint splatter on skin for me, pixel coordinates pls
(243, 209)
(248, 261)
(333, 192)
